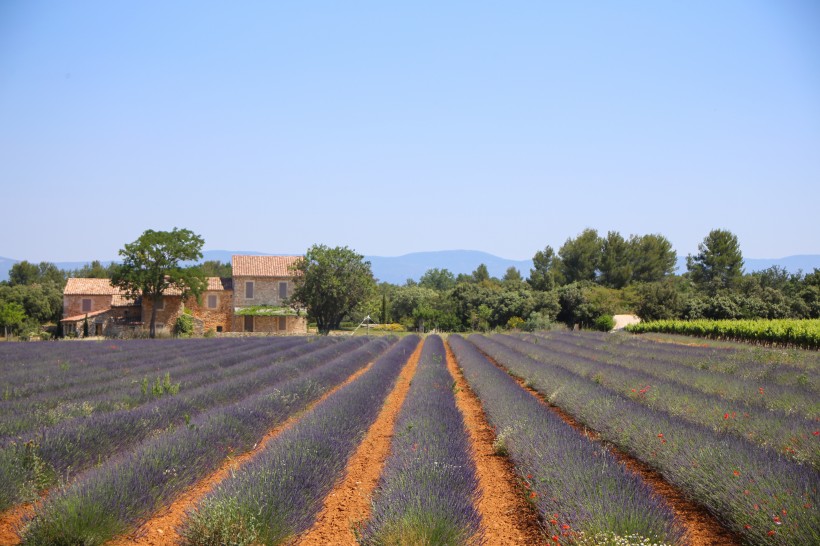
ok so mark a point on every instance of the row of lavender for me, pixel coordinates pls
(50, 455)
(52, 367)
(209, 373)
(789, 432)
(791, 379)
(580, 491)
(759, 494)
(111, 498)
(65, 391)
(428, 487)
(789, 368)
(279, 494)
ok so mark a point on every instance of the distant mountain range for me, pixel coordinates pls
(397, 269)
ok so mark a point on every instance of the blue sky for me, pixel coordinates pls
(394, 127)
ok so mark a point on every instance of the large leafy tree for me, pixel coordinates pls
(546, 271)
(330, 283)
(481, 273)
(153, 263)
(615, 264)
(12, 316)
(26, 273)
(580, 257)
(438, 279)
(718, 264)
(653, 257)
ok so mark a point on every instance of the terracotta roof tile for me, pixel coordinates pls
(219, 283)
(103, 287)
(121, 300)
(89, 315)
(89, 287)
(263, 266)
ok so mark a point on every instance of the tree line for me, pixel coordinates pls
(588, 279)
(591, 277)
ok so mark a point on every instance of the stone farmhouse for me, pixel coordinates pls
(254, 299)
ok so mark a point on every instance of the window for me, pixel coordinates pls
(86, 305)
(212, 301)
(249, 323)
(219, 329)
(283, 290)
(161, 304)
(249, 290)
(283, 323)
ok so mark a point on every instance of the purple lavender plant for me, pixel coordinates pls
(427, 492)
(117, 494)
(280, 492)
(744, 486)
(576, 485)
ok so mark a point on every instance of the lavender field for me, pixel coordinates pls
(104, 435)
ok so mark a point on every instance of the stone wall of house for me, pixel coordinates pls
(265, 291)
(73, 304)
(166, 316)
(111, 323)
(271, 325)
(218, 319)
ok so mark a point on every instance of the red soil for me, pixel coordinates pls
(10, 522)
(161, 529)
(506, 517)
(348, 504)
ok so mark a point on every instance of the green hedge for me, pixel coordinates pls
(795, 332)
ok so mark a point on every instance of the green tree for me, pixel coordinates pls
(438, 279)
(25, 273)
(383, 311)
(481, 274)
(576, 307)
(512, 276)
(43, 302)
(718, 263)
(580, 257)
(406, 299)
(12, 316)
(330, 283)
(652, 257)
(659, 300)
(546, 272)
(615, 264)
(151, 265)
(215, 268)
(466, 298)
(94, 270)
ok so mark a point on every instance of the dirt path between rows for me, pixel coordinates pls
(348, 504)
(11, 520)
(161, 529)
(506, 517)
(700, 527)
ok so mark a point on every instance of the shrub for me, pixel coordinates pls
(537, 321)
(184, 326)
(515, 323)
(604, 323)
